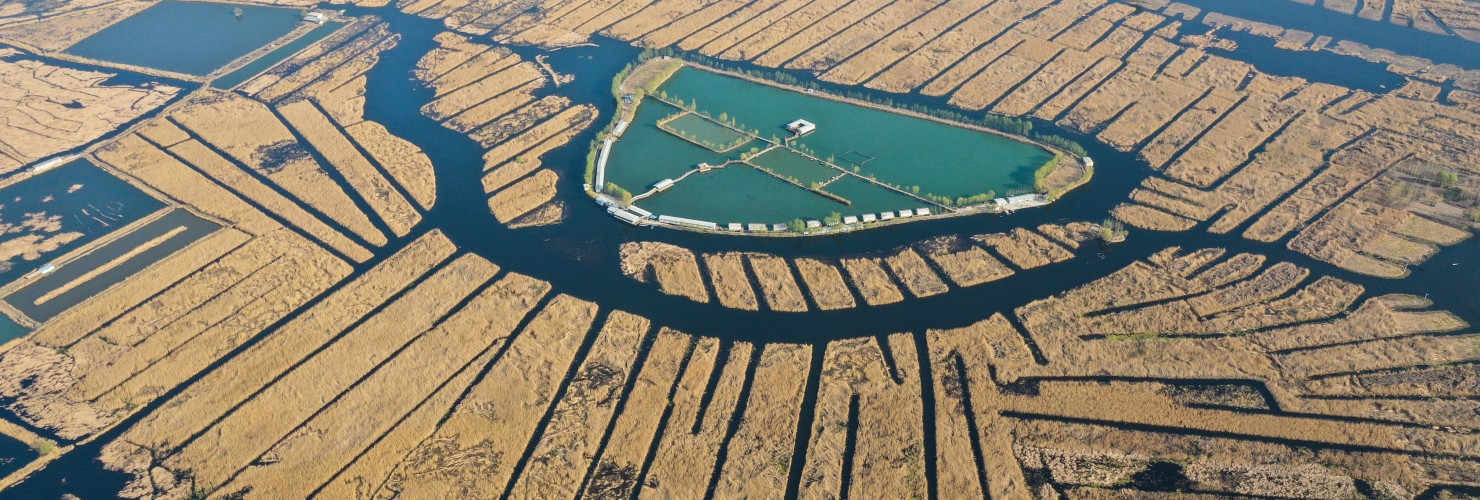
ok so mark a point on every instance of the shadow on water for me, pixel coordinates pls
(1316, 66)
(1404, 40)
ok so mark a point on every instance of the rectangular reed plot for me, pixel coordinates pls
(872, 282)
(732, 28)
(324, 136)
(961, 71)
(497, 418)
(140, 159)
(672, 267)
(615, 473)
(691, 25)
(199, 288)
(1025, 249)
(686, 460)
(799, 22)
(825, 284)
(1049, 80)
(777, 285)
(1082, 84)
(916, 274)
(83, 318)
(237, 439)
(965, 264)
(1275, 280)
(858, 32)
(220, 389)
(524, 196)
(314, 452)
(942, 53)
(407, 164)
(224, 172)
(453, 50)
(503, 170)
(884, 52)
(480, 67)
(251, 134)
(888, 454)
(316, 271)
(731, 284)
(655, 15)
(760, 455)
(365, 477)
(558, 128)
(574, 433)
(496, 106)
(492, 84)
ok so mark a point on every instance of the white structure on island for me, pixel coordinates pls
(801, 127)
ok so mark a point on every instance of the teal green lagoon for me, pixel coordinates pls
(194, 38)
(897, 149)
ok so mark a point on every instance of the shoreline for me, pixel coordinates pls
(605, 140)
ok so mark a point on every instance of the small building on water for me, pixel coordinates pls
(801, 127)
(315, 17)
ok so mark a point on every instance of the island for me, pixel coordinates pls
(700, 148)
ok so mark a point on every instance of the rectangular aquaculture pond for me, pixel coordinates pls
(110, 263)
(194, 38)
(63, 209)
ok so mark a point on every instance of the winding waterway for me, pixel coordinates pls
(579, 257)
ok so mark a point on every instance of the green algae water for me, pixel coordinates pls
(193, 38)
(921, 156)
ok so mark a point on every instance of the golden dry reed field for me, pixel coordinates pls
(1286, 316)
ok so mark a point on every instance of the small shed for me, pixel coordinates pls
(813, 224)
(736, 226)
(869, 218)
(886, 215)
(756, 227)
(850, 220)
(922, 211)
(779, 227)
(801, 127)
(663, 185)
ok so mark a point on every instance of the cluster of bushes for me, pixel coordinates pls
(615, 191)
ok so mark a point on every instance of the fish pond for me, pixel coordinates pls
(194, 38)
(64, 208)
(855, 159)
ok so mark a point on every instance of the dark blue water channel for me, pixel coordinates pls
(579, 257)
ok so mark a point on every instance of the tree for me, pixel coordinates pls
(1448, 179)
(1112, 231)
(833, 219)
(617, 192)
(797, 225)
